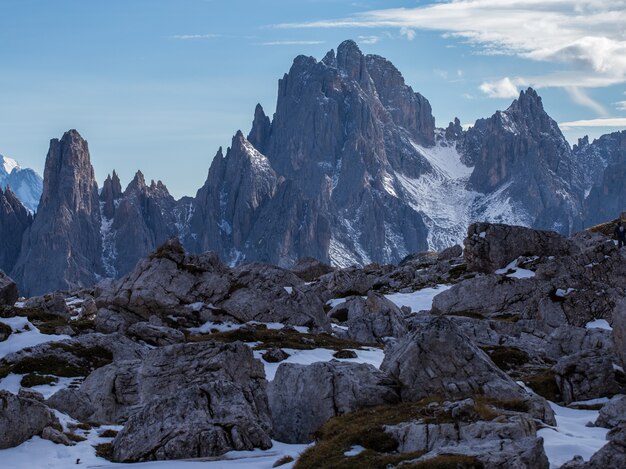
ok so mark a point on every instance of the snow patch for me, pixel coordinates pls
(25, 334)
(370, 355)
(571, 436)
(109, 249)
(599, 324)
(354, 451)
(420, 300)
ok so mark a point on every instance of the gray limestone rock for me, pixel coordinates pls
(303, 397)
(587, 375)
(115, 392)
(489, 246)
(56, 436)
(200, 421)
(613, 413)
(155, 335)
(438, 359)
(8, 290)
(508, 441)
(21, 419)
(196, 288)
(373, 319)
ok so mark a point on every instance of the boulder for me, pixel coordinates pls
(587, 375)
(613, 413)
(155, 335)
(275, 355)
(507, 441)
(199, 421)
(451, 253)
(373, 319)
(51, 303)
(303, 397)
(491, 246)
(438, 359)
(21, 419)
(310, 269)
(8, 290)
(56, 436)
(115, 392)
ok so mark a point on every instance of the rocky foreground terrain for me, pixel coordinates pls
(466, 358)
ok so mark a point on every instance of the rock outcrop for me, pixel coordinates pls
(490, 246)
(303, 397)
(8, 290)
(438, 359)
(198, 288)
(21, 419)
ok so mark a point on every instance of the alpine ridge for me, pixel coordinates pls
(350, 170)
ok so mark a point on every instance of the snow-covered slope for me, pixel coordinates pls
(24, 182)
(447, 206)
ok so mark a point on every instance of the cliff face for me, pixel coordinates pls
(61, 249)
(607, 193)
(14, 221)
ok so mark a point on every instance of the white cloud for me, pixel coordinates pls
(186, 37)
(504, 88)
(580, 97)
(620, 105)
(407, 32)
(291, 43)
(608, 122)
(368, 39)
(585, 37)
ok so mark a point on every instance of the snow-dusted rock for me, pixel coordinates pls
(587, 375)
(303, 397)
(438, 359)
(117, 391)
(491, 246)
(56, 436)
(197, 288)
(52, 303)
(613, 413)
(372, 319)
(198, 421)
(21, 419)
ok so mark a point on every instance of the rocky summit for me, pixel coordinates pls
(350, 170)
(508, 352)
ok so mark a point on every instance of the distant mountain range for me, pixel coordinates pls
(24, 182)
(351, 169)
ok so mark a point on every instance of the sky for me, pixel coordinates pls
(160, 85)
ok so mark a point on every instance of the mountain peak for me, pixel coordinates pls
(350, 60)
(261, 128)
(528, 102)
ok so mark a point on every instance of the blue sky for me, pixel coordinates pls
(159, 85)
